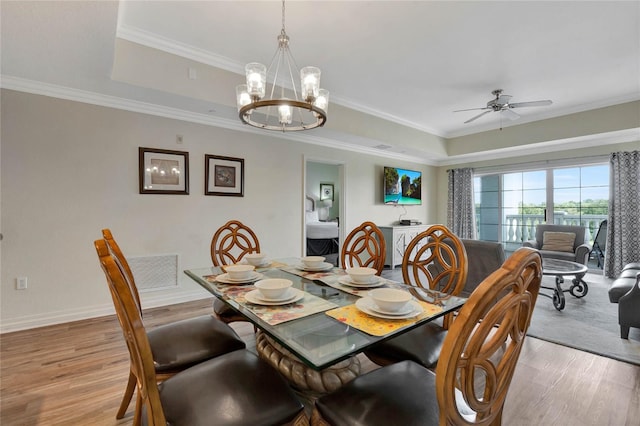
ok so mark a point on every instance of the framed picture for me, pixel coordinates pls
(162, 171)
(326, 191)
(223, 176)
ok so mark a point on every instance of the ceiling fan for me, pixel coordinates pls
(501, 104)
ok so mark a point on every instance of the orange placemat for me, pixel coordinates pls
(375, 326)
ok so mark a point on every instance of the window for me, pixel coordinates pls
(510, 205)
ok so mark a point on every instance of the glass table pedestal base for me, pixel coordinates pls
(312, 383)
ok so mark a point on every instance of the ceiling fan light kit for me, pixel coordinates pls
(501, 103)
(286, 109)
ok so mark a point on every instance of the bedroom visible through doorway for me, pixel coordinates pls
(323, 183)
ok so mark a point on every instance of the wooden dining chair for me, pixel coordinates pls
(481, 349)
(231, 389)
(230, 243)
(435, 259)
(175, 346)
(364, 246)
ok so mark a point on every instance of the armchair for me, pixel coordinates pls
(554, 247)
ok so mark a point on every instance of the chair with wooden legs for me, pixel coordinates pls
(231, 389)
(364, 246)
(434, 259)
(481, 348)
(175, 346)
(230, 243)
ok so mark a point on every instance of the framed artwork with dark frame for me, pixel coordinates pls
(326, 191)
(223, 176)
(162, 171)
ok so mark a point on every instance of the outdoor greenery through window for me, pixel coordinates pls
(509, 206)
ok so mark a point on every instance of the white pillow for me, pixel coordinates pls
(312, 216)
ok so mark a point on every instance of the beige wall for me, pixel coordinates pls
(69, 169)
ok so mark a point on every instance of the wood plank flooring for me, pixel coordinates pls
(75, 373)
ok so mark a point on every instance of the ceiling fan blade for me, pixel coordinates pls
(510, 114)
(478, 116)
(471, 109)
(530, 104)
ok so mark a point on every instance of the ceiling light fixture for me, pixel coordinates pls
(300, 111)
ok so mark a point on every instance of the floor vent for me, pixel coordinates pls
(155, 272)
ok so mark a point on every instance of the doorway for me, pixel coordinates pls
(323, 208)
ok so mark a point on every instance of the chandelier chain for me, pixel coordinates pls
(283, 16)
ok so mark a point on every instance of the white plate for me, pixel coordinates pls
(346, 280)
(367, 305)
(226, 279)
(288, 295)
(407, 309)
(324, 266)
(255, 297)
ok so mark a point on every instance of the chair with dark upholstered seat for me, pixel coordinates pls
(231, 389)
(175, 346)
(482, 348)
(364, 246)
(435, 259)
(230, 243)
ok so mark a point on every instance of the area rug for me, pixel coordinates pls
(588, 324)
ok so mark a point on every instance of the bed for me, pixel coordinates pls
(322, 237)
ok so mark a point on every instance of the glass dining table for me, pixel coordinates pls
(314, 338)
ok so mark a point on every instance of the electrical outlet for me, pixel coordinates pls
(21, 283)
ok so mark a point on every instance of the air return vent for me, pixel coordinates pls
(155, 272)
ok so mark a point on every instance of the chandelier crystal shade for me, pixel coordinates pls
(286, 108)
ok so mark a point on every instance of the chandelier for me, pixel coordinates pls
(285, 109)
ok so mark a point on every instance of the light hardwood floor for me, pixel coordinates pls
(75, 373)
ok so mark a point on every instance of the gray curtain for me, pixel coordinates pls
(623, 233)
(460, 206)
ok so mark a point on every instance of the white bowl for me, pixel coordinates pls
(313, 261)
(239, 272)
(361, 275)
(390, 299)
(273, 288)
(255, 259)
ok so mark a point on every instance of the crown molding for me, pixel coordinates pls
(340, 142)
(77, 95)
(173, 47)
(600, 139)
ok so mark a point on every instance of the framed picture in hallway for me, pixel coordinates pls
(162, 171)
(223, 176)
(326, 191)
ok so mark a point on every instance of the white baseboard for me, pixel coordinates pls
(60, 317)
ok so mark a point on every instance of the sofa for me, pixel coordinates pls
(625, 291)
(483, 257)
(554, 242)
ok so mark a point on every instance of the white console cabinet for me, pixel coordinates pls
(397, 238)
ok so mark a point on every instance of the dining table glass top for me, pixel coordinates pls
(326, 321)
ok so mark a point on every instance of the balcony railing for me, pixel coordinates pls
(522, 227)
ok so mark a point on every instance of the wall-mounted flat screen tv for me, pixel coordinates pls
(402, 186)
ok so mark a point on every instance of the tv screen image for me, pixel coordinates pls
(402, 186)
